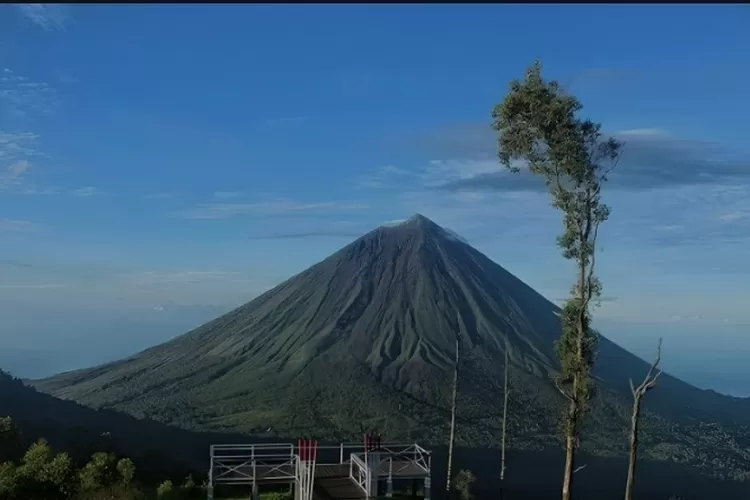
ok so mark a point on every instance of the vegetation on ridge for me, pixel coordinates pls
(39, 473)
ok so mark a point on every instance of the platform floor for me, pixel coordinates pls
(332, 481)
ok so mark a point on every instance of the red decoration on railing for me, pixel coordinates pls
(308, 449)
(372, 441)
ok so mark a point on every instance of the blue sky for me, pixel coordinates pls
(158, 158)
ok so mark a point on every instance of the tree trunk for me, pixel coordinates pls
(505, 415)
(633, 447)
(570, 444)
(569, 459)
(453, 422)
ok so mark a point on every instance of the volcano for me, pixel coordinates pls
(366, 339)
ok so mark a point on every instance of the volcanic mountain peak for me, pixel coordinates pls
(368, 335)
(420, 223)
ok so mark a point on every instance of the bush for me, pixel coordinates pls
(166, 491)
(463, 484)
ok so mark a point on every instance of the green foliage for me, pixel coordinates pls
(463, 484)
(100, 471)
(166, 491)
(276, 495)
(8, 480)
(41, 475)
(126, 469)
(10, 439)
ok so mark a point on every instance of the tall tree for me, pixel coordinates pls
(10, 440)
(649, 382)
(453, 422)
(539, 130)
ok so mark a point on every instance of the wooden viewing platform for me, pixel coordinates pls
(339, 472)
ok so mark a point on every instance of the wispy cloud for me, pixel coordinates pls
(185, 276)
(225, 210)
(733, 216)
(18, 168)
(79, 285)
(17, 146)
(667, 192)
(382, 177)
(22, 96)
(86, 191)
(651, 159)
(50, 17)
(161, 196)
(20, 99)
(33, 286)
(17, 225)
(41, 190)
(13, 173)
(343, 233)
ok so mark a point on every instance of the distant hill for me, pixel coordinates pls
(159, 450)
(366, 338)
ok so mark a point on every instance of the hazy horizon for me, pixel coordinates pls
(110, 337)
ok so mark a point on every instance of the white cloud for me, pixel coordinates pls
(382, 177)
(95, 288)
(50, 17)
(17, 146)
(19, 167)
(39, 190)
(147, 278)
(22, 96)
(692, 307)
(226, 210)
(733, 216)
(33, 286)
(13, 173)
(161, 196)
(643, 132)
(86, 191)
(17, 225)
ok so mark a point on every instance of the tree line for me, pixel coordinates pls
(41, 473)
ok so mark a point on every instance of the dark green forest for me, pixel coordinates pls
(39, 472)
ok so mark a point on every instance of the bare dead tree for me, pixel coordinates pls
(649, 382)
(505, 413)
(453, 422)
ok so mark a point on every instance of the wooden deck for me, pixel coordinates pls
(401, 470)
(338, 488)
(333, 482)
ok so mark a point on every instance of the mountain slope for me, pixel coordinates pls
(366, 338)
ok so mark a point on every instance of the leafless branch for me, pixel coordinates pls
(649, 382)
